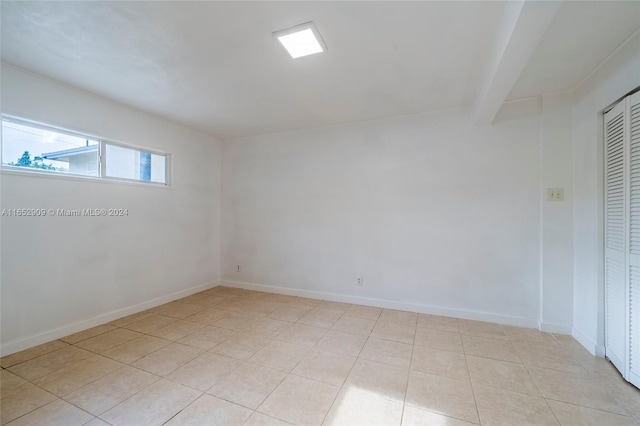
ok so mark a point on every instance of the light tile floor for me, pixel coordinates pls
(232, 357)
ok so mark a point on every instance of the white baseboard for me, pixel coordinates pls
(550, 327)
(593, 347)
(388, 304)
(49, 335)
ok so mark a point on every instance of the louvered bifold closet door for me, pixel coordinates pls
(633, 114)
(615, 236)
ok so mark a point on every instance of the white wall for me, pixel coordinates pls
(63, 274)
(615, 78)
(438, 215)
(556, 313)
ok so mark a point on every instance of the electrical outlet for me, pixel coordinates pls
(555, 194)
(238, 268)
(360, 281)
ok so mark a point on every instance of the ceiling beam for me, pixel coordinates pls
(523, 25)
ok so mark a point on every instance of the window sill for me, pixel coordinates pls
(16, 171)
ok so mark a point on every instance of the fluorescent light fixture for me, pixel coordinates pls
(301, 40)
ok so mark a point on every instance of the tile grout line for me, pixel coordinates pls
(590, 408)
(158, 378)
(406, 388)
(535, 382)
(183, 408)
(52, 372)
(578, 376)
(287, 373)
(357, 357)
(62, 398)
(473, 391)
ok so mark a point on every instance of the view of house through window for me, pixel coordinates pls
(39, 149)
(33, 147)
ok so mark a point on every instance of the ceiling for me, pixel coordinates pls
(214, 66)
(581, 36)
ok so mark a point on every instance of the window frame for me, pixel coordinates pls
(102, 156)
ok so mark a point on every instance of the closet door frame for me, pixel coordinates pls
(620, 360)
(632, 102)
(622, 293)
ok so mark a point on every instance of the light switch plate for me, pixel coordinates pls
(555, 194)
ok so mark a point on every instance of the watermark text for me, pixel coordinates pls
(60, 212)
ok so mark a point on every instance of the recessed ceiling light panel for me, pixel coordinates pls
(301, 40)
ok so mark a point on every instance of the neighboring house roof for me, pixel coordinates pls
(65, 154)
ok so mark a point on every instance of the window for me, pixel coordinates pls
(127, 163)
(28, 146)
(39, 148)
